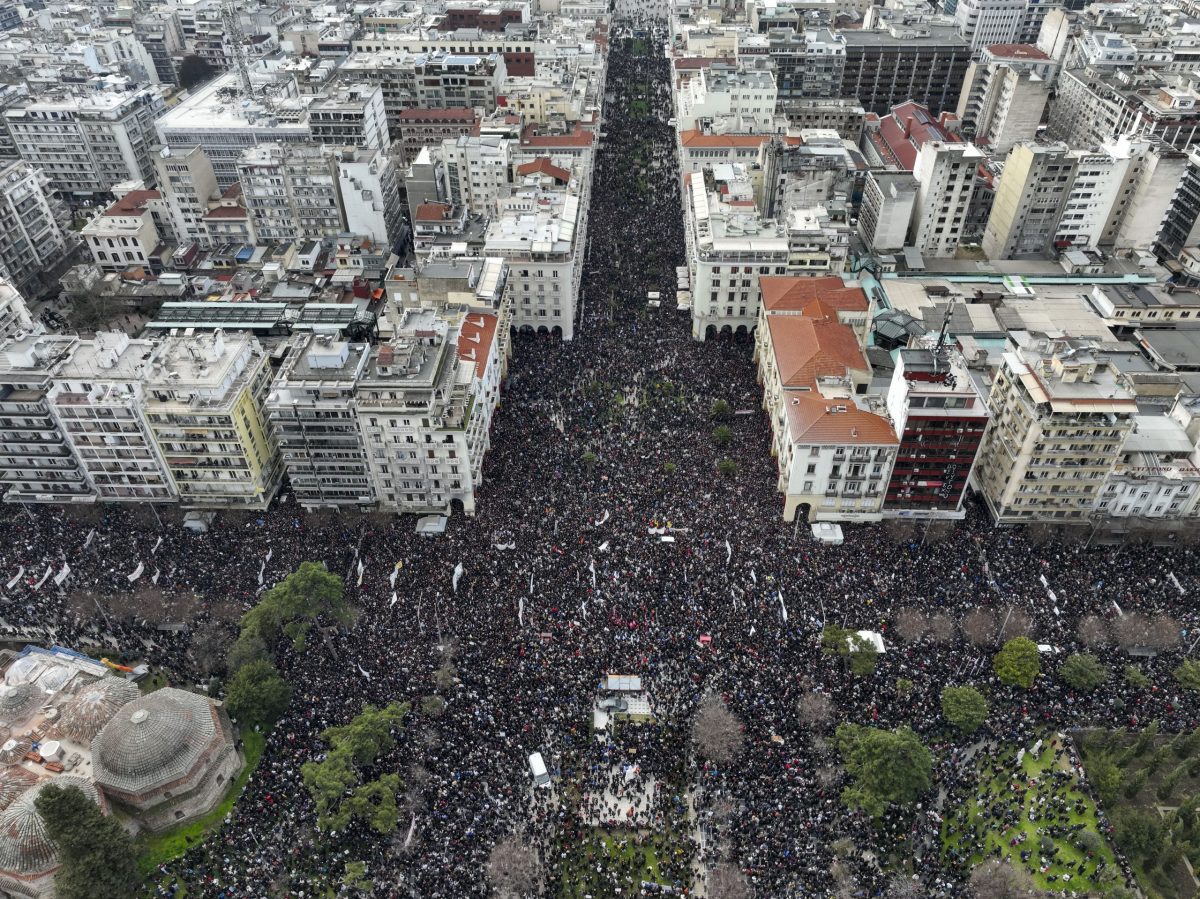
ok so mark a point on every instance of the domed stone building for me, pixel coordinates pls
(28, 858)
(166, 757)
(83, 715)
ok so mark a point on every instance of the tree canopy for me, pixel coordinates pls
(1018, 662)
(847, 644)
(257, 694)
(96, 851)
(965, 708)
(335, 783)
(887, 767)
(295, 603)
(1083, 671)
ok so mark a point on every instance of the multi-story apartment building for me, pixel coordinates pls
(204, 403)
(125, 236)
(476, 170)
(808, 64)
(159, 33)
(747, 98)
(350, 116)
(923, 63)
(1025, 213)
(14, 313)
(291, 192)
(1156, 476)
(394, 73)
(37, 463)
(1060, 418)
(369, 195)
(416, 129)
(517, 44)
(886, 210)
(541, 233)
(32, 239)
(984, 22)
(1093, 107)
(833, 443)
(447, 80)
(1181, 223)
(87, 143)
(940, 417)
(314, 423)
(98, 397)
(945, 173)
(188, 185)
(1005, 95)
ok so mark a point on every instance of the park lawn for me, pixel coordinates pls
(1068, 854)
(162, 848)
(645, 857)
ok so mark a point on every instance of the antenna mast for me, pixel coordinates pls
(233, 28)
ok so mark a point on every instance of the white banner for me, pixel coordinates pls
(363, 672)
(270, 552)
(62, 575)
(157, 544)
(16, 577)
(137, 573)
(604, 547)
(782, 607)
(728, 552)
(395, 599)
(154, 578)
(603, 518)
(360, 572)
(592, 569)
(753, 576)
(521, 610)
(88, 541)
(262, 567)
(395, 573)
(504, 546)
(45, 577)
(458, 573)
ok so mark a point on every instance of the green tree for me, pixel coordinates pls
(1188, 674)
(1083, 671)
(257, 694)
(727, 467)
(1018, 662)
(904, 686)
(1135, 678)
(295, 603)
(356, 876)
(97, 853)
(589, 460)
(249, 647)
(371, 733)
(1137, 832)
(433, 706)
(887, 767)
(965, 708)
(722, 434)
(1105, 777)
(669, 468)
(846, 644)
(720, 410)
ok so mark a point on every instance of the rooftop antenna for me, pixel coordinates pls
(939, 350)
(233, 28)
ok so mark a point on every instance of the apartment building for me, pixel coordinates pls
(833, 443)
(86, 143)
(416, 129)
(747, 98)
(1181, 223)
(541, 233)
(1060, 418)
(1156, 476)
(1025, 214)
(98, 397)
(125, 236)
(449, 80)
(984, 22)
(314, 423)
(940, 417)
(369, 195)
(808, 64)
(945, 173)
(920, 62)
(291, 192)
(188, 185)
(33, 241)
(476, 170)
(204, 403)
(887, 210)
(37, 463)
(350, 116)
(14, 313)
(1004, 95)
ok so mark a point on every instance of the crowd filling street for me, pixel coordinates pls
(602, 447)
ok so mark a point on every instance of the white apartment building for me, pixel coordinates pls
(1060, 419)
(541, 234)
(188, 184)
(1025, 213)
(989, 99)
(315, 425)
(887, 210)
(14, 313)
(729, 247)
(476, 170)
(748, 97)
(98, 397)
(350, 116)
(983, 22)
(369, 194)
(37, 463)
(32, 239)
(204, 404)
(291, 192)
(124, 236)
(1155, 476)
(1100, 193)
(87, 143)
(946, 175)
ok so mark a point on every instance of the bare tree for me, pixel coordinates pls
(828, 778)
(941, 629)
(513, 869)
(1016, 624)
(911, 624)
(209, 645)
(901, 887)
(717, 732)
(937, 532)
(1001, 880)
(980, 627)
(899, 530)
(816, 710)
(845, 883)
(1163, 633)
(1093, 631)
(1131, 630)
(725, 881)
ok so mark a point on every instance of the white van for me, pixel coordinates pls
(537, 767)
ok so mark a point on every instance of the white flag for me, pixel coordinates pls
(262, 566)
(753, 576)
(62, 575)
(521, 610)
(16, 577)
(394, 600)
(392, 576)
(603, 518)
(88, 541)
(752, 630)
(45, 577)
(782, 607)
(604, 547)
(270, 552)
(157, 544)
(458, 573)
(137, 573)
(363, 672)
(154, 580)
(531, 583)
(592, 569)
(360, 572)
(1042, 578)
(728, 552)
(1053, 598)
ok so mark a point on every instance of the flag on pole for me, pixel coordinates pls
(753, 576)
(592, 569)
(361, 567)
(363, 672)
(262, 567)
(782, 607)
(157, 544)
(521, 610)
(531, 583)
(16, 577)
(604, 547)
(270, 552)
(137, 573)
(728, 552)
(394, 600)
(603, 518)
(393, 575)
(154, 579)
(63, 574)
(88, 541)
(458, 573)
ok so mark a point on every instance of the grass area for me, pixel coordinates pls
(1155, 780)
(155, 680)
(162, 848)
(587, 867)
(1033, 788)
(640, 46)
(639, 108)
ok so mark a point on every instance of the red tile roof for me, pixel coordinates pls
(1017, 51)
(481, 325)
(810, 348)
(432, 212)
(815, 297)
(699, 140)
(226, 212)
(577, 138)
(813, 419)
(905, 130)
(544, 166)
(133, 202)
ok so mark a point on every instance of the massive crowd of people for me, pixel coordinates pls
(602, 448)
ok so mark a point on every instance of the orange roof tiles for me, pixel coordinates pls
(813, 296)
(810, 348)
(544, 166)
(481, 325)
(699, 140)
(432, 212)
(577, 138)
(133, 202)
(814, 419)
